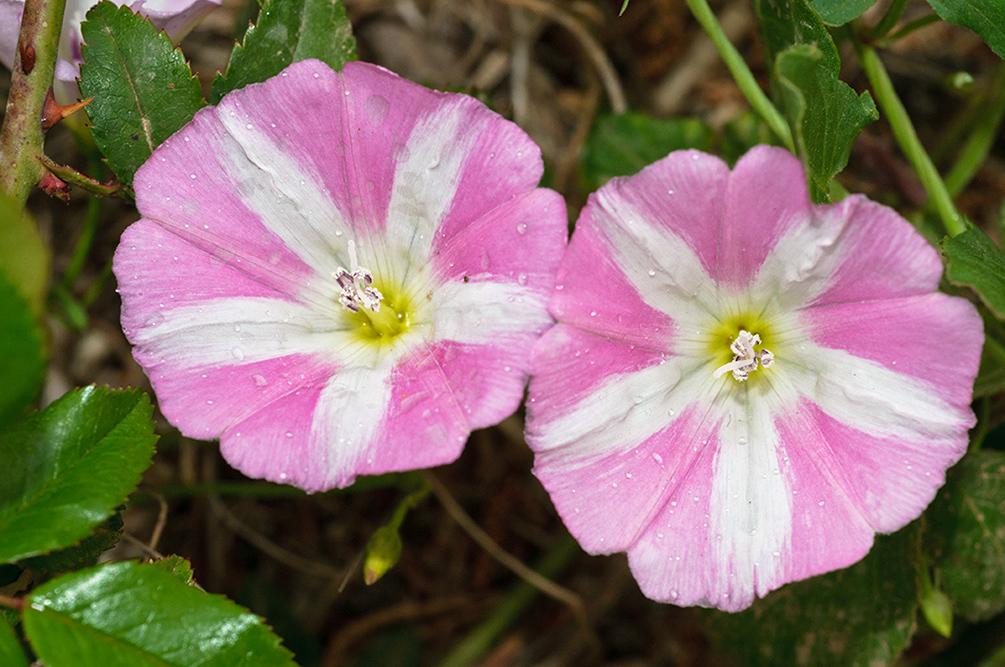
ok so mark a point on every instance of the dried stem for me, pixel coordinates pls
(542, 583)
(593, 50)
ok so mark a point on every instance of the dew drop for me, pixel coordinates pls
(400, 152)
(741, 440)
(259, 380)
(376, 107)
(657, 458)
(237, 353)
(289, 434)
(821, 503)
(485, 261)
(155, 319)
(521, 278)
(652, 273)
(521, 228)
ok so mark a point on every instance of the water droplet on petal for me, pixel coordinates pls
(376, 107)
(237, 353)
(259, 380)
(400, 152)
(521, 228)
(485, 261)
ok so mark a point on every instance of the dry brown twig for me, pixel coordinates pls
(532, 577)
(594, 51)
(270, 548)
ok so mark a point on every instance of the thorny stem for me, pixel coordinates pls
(741, 73)
(12, 603)
(977, 147)
(907, 138)
(21, 137)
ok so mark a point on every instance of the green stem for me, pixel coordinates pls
(916, 24)
(21, 136)
(889, 19)
(408, 502)
(907, 138)
(741, 73)
(983, 425)
(977, 147)
(510, 608)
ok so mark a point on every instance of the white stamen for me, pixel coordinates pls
(357, 290)
(745, 359)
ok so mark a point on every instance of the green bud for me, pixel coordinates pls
(382, 553)
(938, 611)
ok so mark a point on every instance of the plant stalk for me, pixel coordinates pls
(21, 136)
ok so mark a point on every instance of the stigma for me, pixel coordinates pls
(745, 359)
(357, 285)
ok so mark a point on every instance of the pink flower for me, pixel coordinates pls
(744, 387)
(339, 274)
(176, 17)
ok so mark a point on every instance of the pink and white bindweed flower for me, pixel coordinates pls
(175, 17)
(339, 274)
(743, 388)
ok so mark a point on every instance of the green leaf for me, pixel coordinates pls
(991, 376)
(824, 113)
(985, 17)
(967, 533)
(622, 144)
(11, 654)
(785, 23)
(142, 87)
(177, 566)
(839, 12)
(288, 31)
(863, 615)
(24, 256)
(69, 466)
(138, 615)
(83, 554)
(975, 261)
(22, 354)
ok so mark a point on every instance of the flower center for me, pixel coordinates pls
(745, 359)
(363, 300)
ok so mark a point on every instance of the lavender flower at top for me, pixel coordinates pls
(744, 387)
(175, 17)
(339, 273)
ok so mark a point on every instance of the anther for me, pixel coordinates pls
(357, 285)
(745, 358)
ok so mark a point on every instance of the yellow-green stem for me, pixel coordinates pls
(741, 73)
(907, 138)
